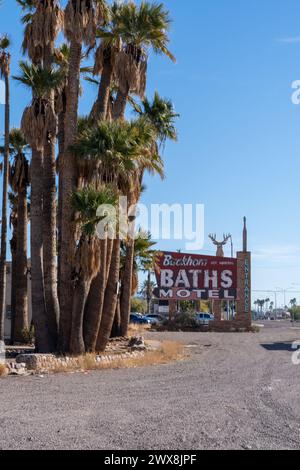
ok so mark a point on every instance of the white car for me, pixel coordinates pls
(204, 318)
(155, 319)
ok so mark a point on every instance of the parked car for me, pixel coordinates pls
(155, 319)
(138, 319)
(204, 318)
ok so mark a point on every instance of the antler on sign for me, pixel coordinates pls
(213, 239)
(226, 238)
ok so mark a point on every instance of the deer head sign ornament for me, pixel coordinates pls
(220, 245)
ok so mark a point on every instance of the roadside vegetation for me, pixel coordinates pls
(59, 167)
(168, 351)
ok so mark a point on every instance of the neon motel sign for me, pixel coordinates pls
(195, 277)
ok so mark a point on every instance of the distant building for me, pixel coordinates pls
(162, 307)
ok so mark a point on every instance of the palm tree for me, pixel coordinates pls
(143, 256)
(267, 301)
(147, 289)
(140, 28)
(13, 202)
(293, 309)
(39, 123)
(43, 20)
(81, 18)
(261, 304)
(114, 150)
(4, 73)
(256, 305)
(88, 256)
(19, 181)
(105, 60)
(160, 115)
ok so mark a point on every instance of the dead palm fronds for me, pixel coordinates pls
(39, 121)
(43, 23)
(81, 19)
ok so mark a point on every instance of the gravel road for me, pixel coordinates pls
(235, 391)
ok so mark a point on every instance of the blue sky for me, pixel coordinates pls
(239, 133)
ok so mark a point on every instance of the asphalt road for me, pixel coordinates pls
(235, 391)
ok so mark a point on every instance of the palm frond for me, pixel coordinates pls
(87, 202)
(39, 79)
(161, 114)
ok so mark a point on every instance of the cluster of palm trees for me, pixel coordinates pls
(81, 284)
(264, 304)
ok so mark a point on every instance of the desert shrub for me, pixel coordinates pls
(3, 370)
(186, 320)
(138, 306)
(254, 329)
(295, 313)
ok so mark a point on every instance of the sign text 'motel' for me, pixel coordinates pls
(195, 277)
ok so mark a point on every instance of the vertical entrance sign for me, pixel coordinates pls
(244, 281)
(244, 287)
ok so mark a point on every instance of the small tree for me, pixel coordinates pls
(138, 305)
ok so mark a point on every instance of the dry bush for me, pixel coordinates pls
(3, 370)
(135, 330)
(254, 329)
(168, 351)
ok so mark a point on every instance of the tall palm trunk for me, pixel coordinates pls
(77, 345)
(39, 317)
(68, 184)
(101, 105)
(13, 250)
(110, 299)
(120, 105)
(49, 221)
(4, 210)
(116, 328)
(49, 239)
(60, 138)
(125, 304)
(94, 305)
(87, 264)
(95, 301)
(149, 293)
(110, 248)
(21, 295)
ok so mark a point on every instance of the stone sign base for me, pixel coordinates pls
(230, 326)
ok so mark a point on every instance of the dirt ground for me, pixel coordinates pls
(234, 391)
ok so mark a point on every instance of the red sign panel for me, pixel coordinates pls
(182, 276)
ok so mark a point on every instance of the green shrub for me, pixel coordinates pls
(138, 306)
(254, 329)
(186, 320)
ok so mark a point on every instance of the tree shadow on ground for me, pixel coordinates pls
(281, 346)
